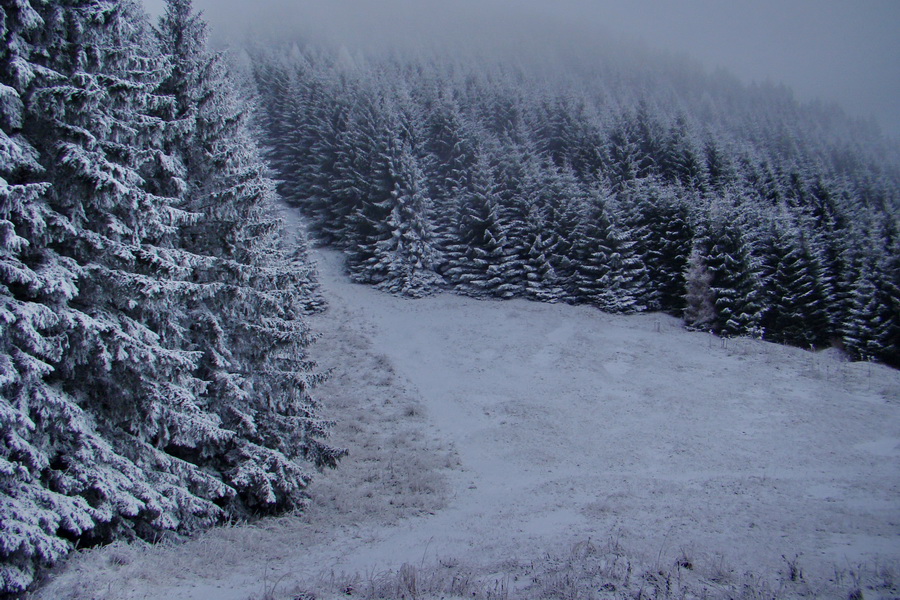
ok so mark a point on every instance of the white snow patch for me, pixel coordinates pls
(540, 426)
(886, 447)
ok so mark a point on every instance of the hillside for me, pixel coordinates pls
(626, 181)
(517, 448)
(166, 367)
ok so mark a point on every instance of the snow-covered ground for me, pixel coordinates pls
(486, 436)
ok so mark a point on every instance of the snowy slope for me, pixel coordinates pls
(486, 434)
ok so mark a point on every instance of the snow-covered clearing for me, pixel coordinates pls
(486, 436)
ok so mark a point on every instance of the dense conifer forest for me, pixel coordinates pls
(154, 372)
(153, 377)
(631, 183)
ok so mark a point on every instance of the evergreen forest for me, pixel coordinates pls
(626, 184)
(155, 377)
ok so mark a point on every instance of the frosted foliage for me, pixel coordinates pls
(476, 255)
(699, 312)
(10, 107)
(405, 260)
(725, 252)
(678, 158)
(253, 336)
(795, 286)
(153, 375)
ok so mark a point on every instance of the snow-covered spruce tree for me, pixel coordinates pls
(681, 161)
(720, 172)
(274, 84)
(130, 355)
(659, 219)
(512, 165)
(290, 120)
(872, 329)
(889, 333)
(363, 184)
(699, 307)
(328, 152)
(38, 421)
(865, 318)
(635, 146)
(725, 253)
(403, 261)
(448, 166)
(108, 425)
(623, 154)
(80, 446)
(552, 195)
(309, 122)
(826, 227)
(795, 301)
(561, 196)
(567, 131)
(475, 259)
(257, 378)
(541, 281)
(608, 275)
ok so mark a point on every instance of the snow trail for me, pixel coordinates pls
(571, 423)
(489, 432)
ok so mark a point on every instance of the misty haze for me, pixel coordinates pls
(831, 51)
(497, 299)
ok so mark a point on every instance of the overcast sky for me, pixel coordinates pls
(843, 51)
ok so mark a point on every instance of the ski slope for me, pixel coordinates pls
(485, 435)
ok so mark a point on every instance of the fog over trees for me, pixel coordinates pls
(154, 363)
(628, 181)
(825, 50)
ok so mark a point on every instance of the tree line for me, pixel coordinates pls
(154, 368)
(611, 183)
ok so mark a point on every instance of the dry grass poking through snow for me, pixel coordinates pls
(589, 571)
(487, 439)
(396, 466)
(395, 469)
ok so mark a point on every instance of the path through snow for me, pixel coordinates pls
(571, 423)
(485, 432)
